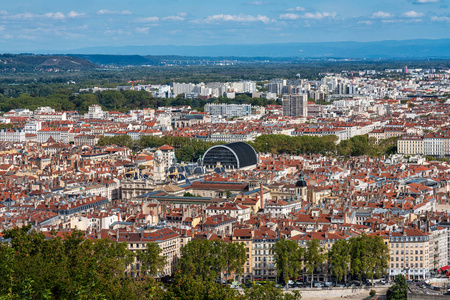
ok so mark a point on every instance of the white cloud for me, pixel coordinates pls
(381, 15)
(31, 16)
(234, 18)
(318, 15)
(298, 8)
(425, 1)
(142, 29)
(289, 16)
(2, 27)
(3, 12)
(440, 19)
(21, 16)
(148, 20)
(182, 14)
(256, 3)
(412, 14)
(55, 16)
(367, 22)
(173, 18)
(113, 12)
(315, 16)
(74, 14)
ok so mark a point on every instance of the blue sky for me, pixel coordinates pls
(30, 25)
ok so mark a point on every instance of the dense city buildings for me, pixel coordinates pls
(105, 174)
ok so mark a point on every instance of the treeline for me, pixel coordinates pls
(207, 262)
(309, 69)
(279, 144)
(35, 266)
(356, 146)
(189, 149)
(112, 100)
(363, 257)
(186, 149)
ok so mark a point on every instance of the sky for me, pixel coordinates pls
(32, 25)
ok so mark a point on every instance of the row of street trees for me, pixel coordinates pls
(364, 257)
(69, 266)
(189, 149)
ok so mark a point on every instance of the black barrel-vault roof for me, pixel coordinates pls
(244, 153)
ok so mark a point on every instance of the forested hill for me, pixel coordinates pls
(32, 63)
(106, 60)
(117, 60)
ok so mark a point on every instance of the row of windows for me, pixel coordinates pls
(256, 252)
(258, 258)
(416, 239)
(407, 265)
(408, 252)
(406, 258)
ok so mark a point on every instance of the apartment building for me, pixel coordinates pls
(410, 145)
(167, 239)
(438, 247)
(430, 144)
(264, 267)
(245, 236)
(228, 110)
(295, 105)
(409, 252)
(59, 134)
(12, 135)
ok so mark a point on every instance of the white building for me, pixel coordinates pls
(12, 135)
(95, 112)
(59, 134)
(32, 127)
(241, 213)
(228, 110)
(438, 251)
(182, 88)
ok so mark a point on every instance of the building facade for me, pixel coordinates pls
(295, 105)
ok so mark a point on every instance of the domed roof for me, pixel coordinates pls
(158, 153)
(301, 182)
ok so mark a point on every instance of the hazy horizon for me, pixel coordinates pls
(51, 25)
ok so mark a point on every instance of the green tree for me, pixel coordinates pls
(207, 260)
(369, 256)
(187, 194)
(399, 290)
(185, 286)
(151, 259)
(379, 257)
(287, 256)
(339, 257)
(314, 257)
(234, 257)
(269, 292)
(62, 268)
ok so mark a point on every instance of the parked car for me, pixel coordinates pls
(318, 284)
(328, 284)
(340, 284)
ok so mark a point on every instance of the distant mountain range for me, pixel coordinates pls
(31, 63)
(419, 48)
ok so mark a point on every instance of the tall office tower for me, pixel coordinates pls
(295, 105)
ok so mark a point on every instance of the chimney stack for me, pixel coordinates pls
(261, 195)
